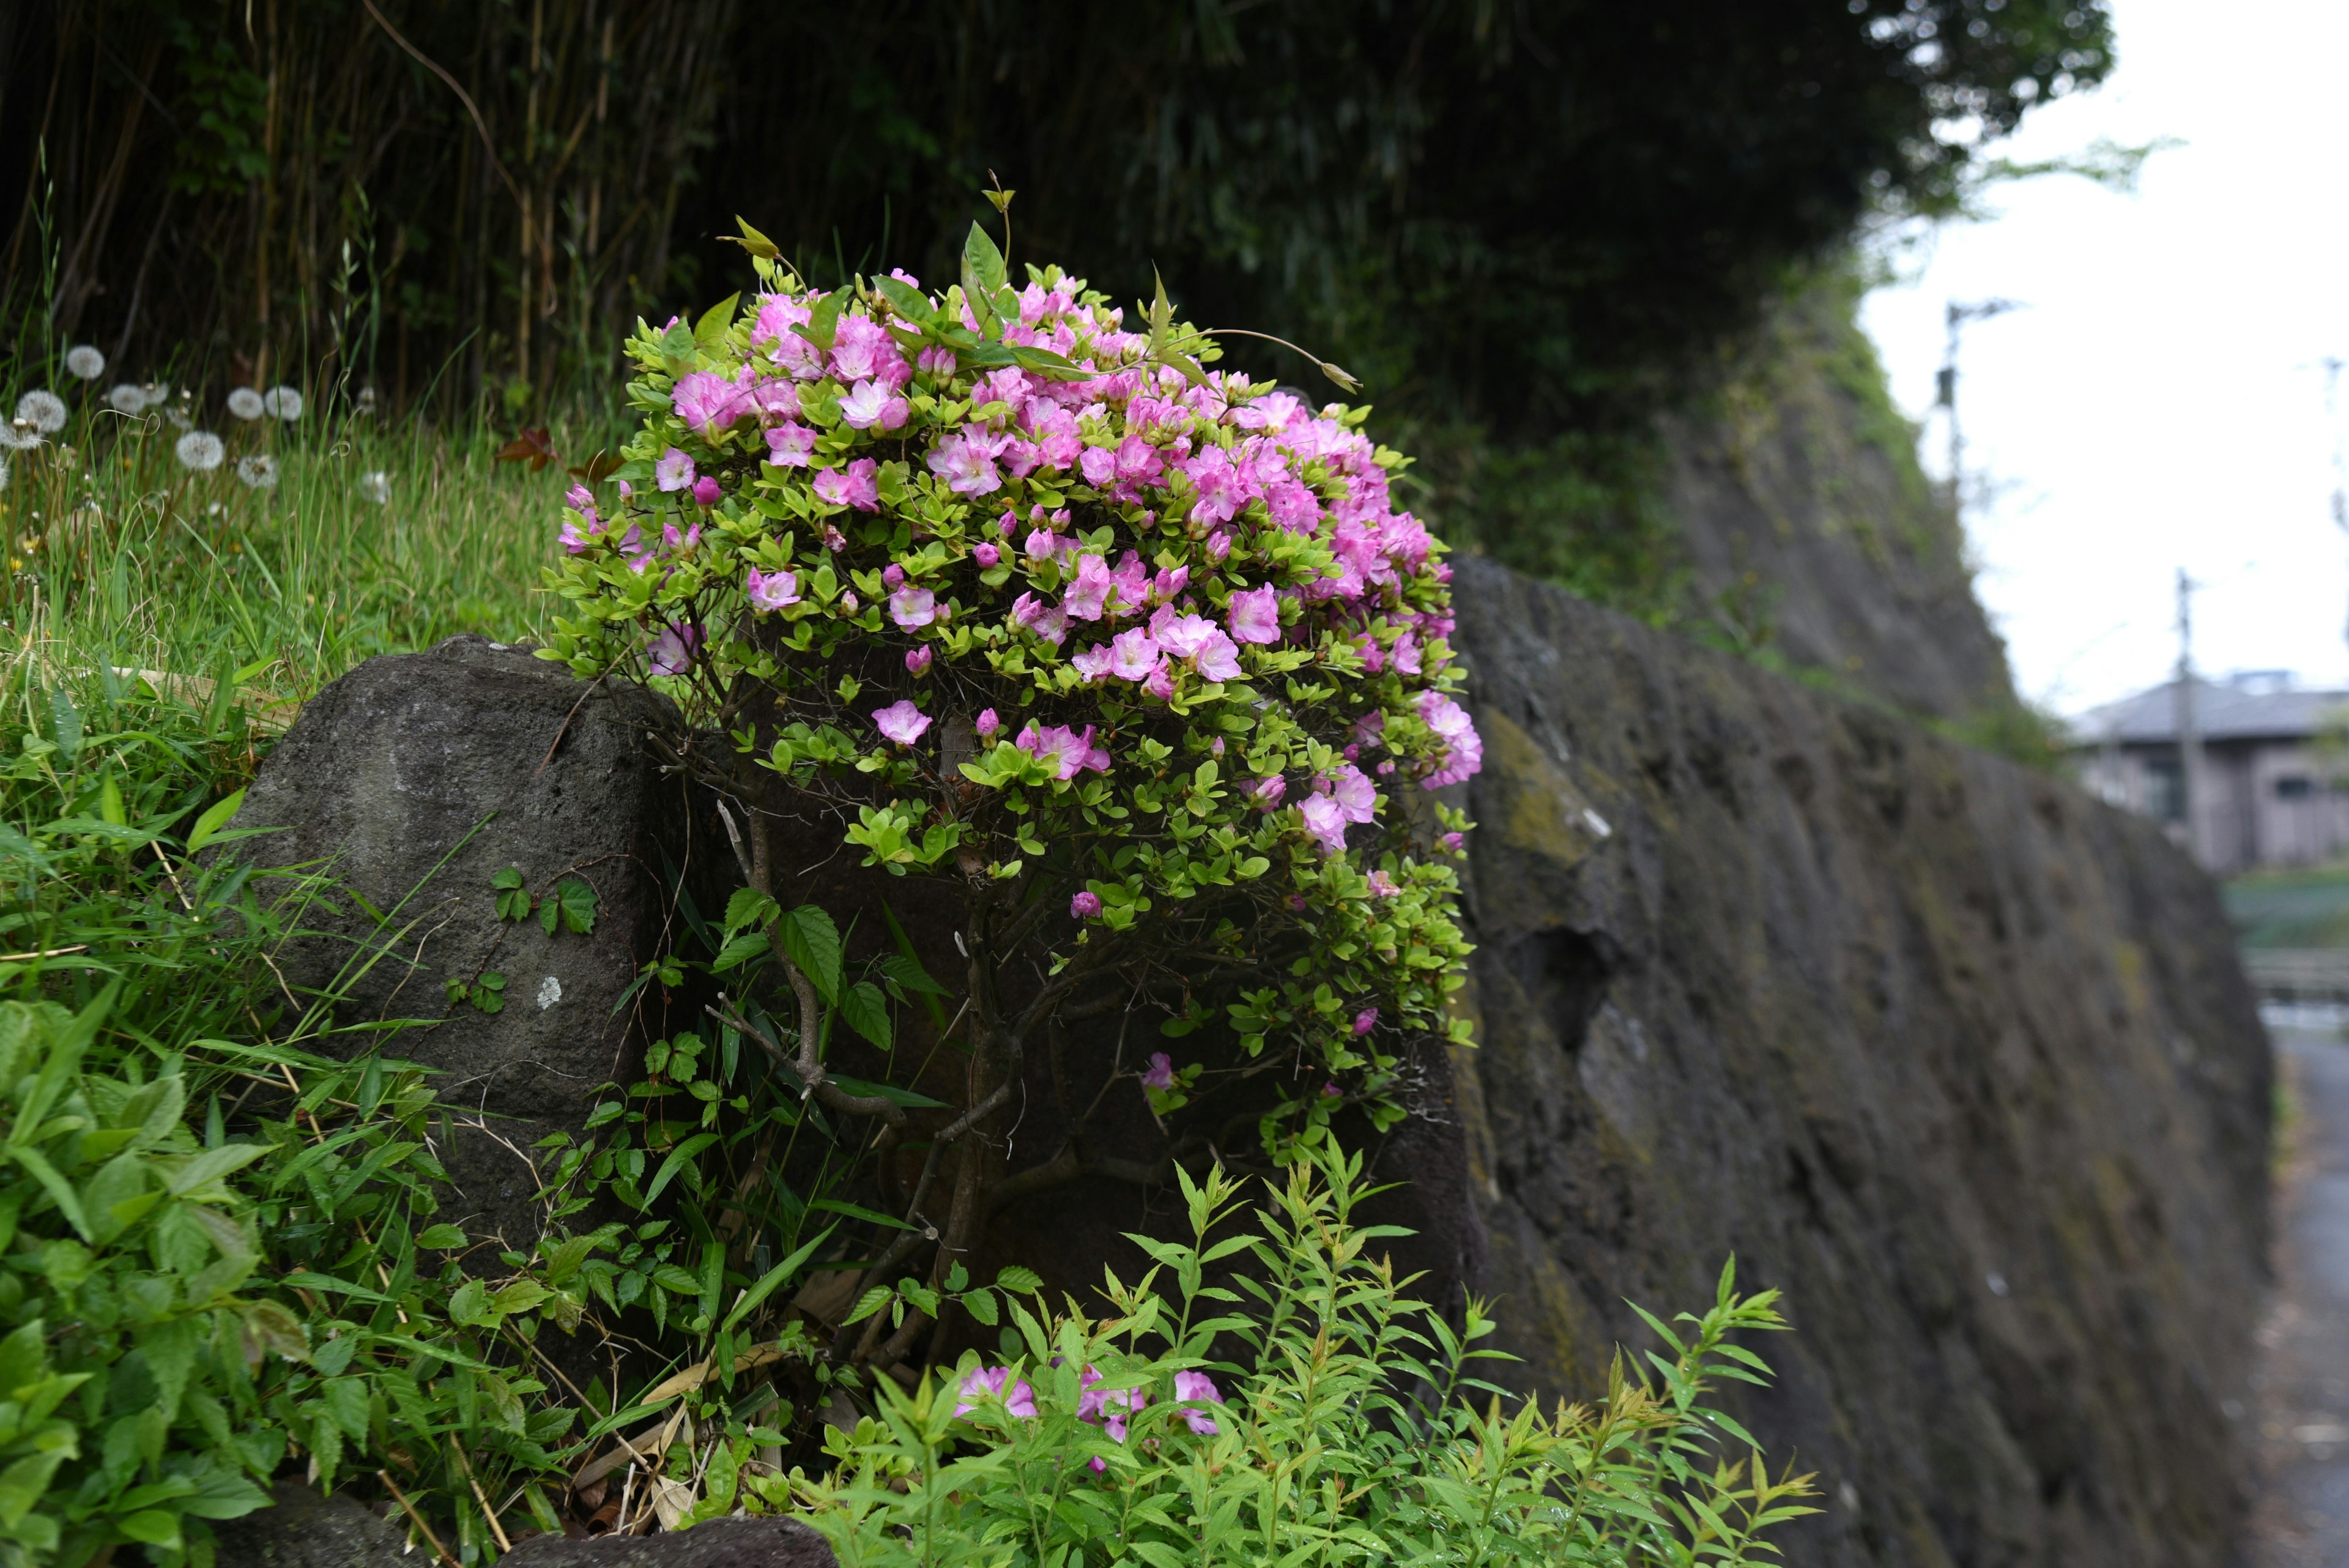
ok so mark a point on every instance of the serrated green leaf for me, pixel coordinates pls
(812, 942)
(866, 1011)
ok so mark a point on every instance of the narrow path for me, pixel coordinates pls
(2302, 1516)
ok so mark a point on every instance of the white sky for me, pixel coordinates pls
(2158, 406)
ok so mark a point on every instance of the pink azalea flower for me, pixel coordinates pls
(1356, 796)
(1090, 591)
(1169, 584)
(1218, 659)
(917, 660)
(1099, 465)
(987, 725)
(1047, 621)
(1084, 906)
(1197, 1387)
(901, 722)
(1405, 654)
(987, 1383)
(1067, 752)
(862, 409)
(674, 470)
(1160, 683)
(1453, 841)
(1269, 790)
(1041, 544)
(1058, 444)
(862, 349)
(1382, 885)
(1131, 580)
(580, 501)
(1219, 545)
(1366, 1020)
(966, 464)
(1133, 655)
(1139, 462)
(1093, 663)
(986, 555)
(572, 540)
(776, 400)
(1222, 493)
(1331, 1091)
(856, 485)
(1325, 822)
(707, 402)
(892, 576)
(673, 650)
(773, 591)
(1255, 616)
(938, 362)
(1161, 1075)
(912, 607)
(790, 445)
(705, 489)
(1463, 749)
(1183, 636)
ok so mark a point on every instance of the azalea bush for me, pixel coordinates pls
(1136, 658)
(1298, 1407)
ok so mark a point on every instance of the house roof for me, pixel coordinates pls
(2223, 711)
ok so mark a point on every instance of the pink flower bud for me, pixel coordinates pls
(1366, 1020)
(1331, 1091)
(848, 602)
(1219, 544)
(894, 574)
(706, 490)
(1161, 1075)
(988, 723)
(986, 555)
(1084, 906)
(917, 662)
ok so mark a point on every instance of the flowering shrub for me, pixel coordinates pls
(1347, 1427)
(1139, 656)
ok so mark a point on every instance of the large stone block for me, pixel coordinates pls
(1960, 1058)
(413, 781)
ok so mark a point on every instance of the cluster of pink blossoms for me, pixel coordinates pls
(1108, 1408)
(1217, 485)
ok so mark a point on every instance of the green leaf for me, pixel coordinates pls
(837, 1206)
(709, 332)
(866, 1011)
(441, 1238)
(65, 724)
(813, 942)
(756, 243)
(1020, 1281)
(740, 949)
(679, 1158)
(905, 300)
(578, 902)
(747, 907)
(868, 1303)
(982, 261)
(773, 1277)
(215, 817)
(307, 1280)
(909, 1098)
(823, 325)
(981, 1305)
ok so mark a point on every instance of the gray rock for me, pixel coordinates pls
(1959, 1058)
(767, 1542)
(307, 1530)
(412, 781)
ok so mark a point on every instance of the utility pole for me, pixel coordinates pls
(2190, 738)
(2333, 364)
(1946, 386)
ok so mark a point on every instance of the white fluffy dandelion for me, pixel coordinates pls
(83, 360)
(200, 450)
(127, 398)
(283, 402)
(42, 409)
(258, 470)
(19, 436)
(4, 473)
(375, 485)
(245, 403)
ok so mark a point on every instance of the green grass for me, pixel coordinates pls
(2297, 908)
(114, 554)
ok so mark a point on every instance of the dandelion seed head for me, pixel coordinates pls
(83, 360)
(258, 470)
(245, 403)
(42, 409)
(376, 487)
(4, 473)
(125, 398)
(199, 451)
(19, 436)
(283, 402)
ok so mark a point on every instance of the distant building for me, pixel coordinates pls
(2272, 789)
